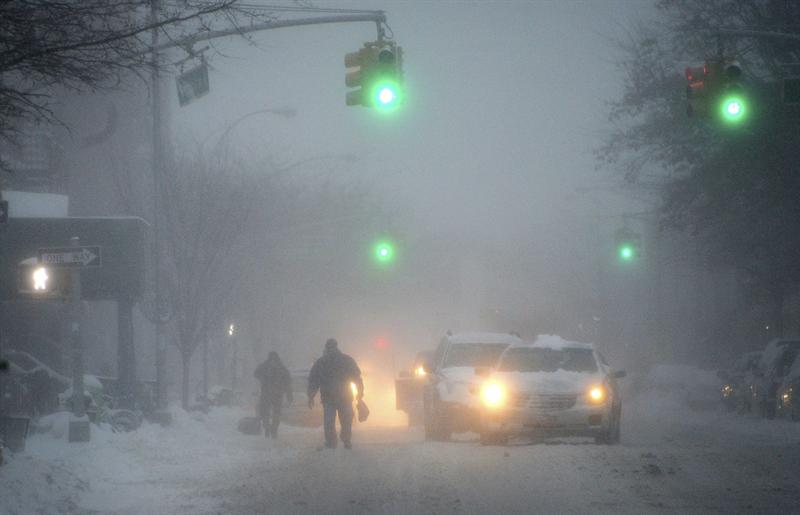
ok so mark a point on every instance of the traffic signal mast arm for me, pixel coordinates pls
(378, 17)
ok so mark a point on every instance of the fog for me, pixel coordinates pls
(479, 169)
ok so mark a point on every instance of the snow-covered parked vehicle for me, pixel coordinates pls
(297, 413)
(409, 386)
(789, 392)
(769, 375)
(551, 387)
(451, 396)
(734, 392)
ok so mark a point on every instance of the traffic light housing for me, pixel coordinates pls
(732, 103)
(715, 91)
(41, 281)
(376, 71)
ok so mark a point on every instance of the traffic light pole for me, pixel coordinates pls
(79, 429)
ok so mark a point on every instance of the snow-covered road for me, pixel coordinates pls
(673, 459)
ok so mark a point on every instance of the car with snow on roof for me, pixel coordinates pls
(789, 393)
(734, 392)
(551, 387)
(770, 373)
(450, 397)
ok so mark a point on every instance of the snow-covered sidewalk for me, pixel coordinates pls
(146, 471)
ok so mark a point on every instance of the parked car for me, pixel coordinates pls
(768, 376)
(450, 396)
(733, 392)
(789, 392)
(551, 387)
(297, 413)
(409, 386)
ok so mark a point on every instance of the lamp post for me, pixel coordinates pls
(285, 112)
(234, 361)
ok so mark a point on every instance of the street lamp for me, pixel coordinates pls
(234, 361)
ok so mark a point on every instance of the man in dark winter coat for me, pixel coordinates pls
(332, 375)
(275, 383)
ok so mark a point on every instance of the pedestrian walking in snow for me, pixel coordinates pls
(332, 375)
(275, 383)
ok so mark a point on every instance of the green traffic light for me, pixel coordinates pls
(384, 252)
(627, 253)
(733, 109)
(386, 95)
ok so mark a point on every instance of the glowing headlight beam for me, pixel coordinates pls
(493, 394)
(597, 394)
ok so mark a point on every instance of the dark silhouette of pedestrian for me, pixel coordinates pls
(333, 374)
(275, 383)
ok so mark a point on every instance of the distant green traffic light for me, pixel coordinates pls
(384, 252)
(627, 252)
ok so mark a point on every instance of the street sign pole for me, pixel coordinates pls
(79, 429)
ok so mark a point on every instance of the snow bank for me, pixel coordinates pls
(110, 473)
(683, 399)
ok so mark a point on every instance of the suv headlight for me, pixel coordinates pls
(597, 394)
(493, 394)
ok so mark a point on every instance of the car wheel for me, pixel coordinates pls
(617, 433)
(612, 435)
(441, 425)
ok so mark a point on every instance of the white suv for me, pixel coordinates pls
(451, 396)
(551, 387)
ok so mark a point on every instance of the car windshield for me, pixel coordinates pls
(474, 354)
(548, 360)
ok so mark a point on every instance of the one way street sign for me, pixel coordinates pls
(71, 257)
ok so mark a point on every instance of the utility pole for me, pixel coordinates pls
(79, 429)
(158, 167)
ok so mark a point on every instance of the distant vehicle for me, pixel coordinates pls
(450, 396)
(768, 376)
(789, 393)
(297, 413)
(552, 387)
(408, 388)
(733, 392)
